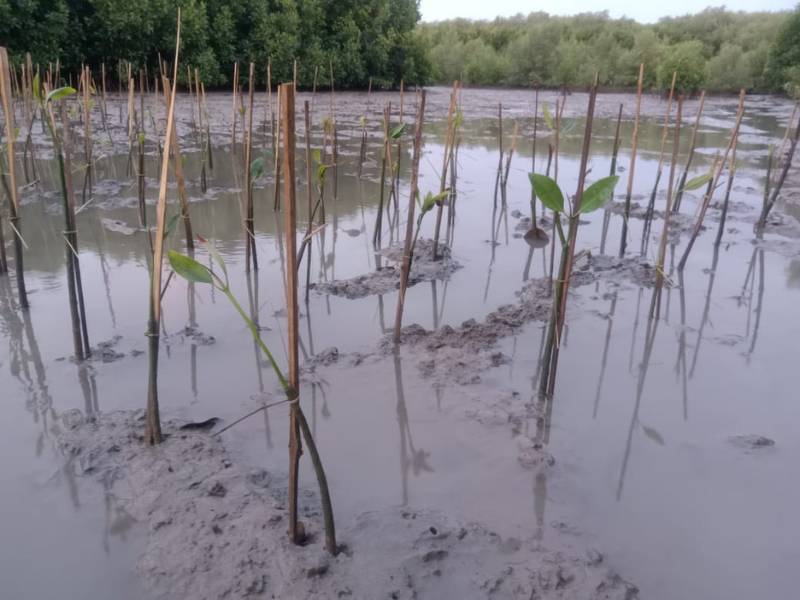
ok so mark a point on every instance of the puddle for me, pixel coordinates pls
(666, 448)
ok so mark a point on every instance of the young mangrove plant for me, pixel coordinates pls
(585, 201)
(676, 207)
(195, 272)
(61, 149)
(412, 201)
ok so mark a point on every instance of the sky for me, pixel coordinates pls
(645, 12)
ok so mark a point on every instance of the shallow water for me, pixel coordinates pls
(654, 482)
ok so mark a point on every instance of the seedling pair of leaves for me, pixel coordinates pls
(593, 197)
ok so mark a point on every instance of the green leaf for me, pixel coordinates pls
(430, 201)
(321, 170)
(171, 224)
(548, 118)
(398, 131)
(256, 168)
(547, 191)
(363, 122)
(189, 268)
(37, 87)
(215, 255)
(317, 155)
(697, 182)
(60, 93)
(598, 193)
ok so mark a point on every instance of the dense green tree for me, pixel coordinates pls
(783, 63)
(729, 69)
(728, 48)
(686, 60)
(361, 39)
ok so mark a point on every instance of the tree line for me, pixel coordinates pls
(715, 49)
(383, 42)
(359, 39)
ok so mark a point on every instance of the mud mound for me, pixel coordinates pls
(387, 279)
(217, 531)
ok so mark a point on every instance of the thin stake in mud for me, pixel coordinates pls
(632, 168)
(648, 219)
(676, 207)
(80, 336)
(726, 200)
(585, 201)
(153, 420)
(713, 183)
(776, 190)
(611, 171)
(499, 175)
(250, 238)
(87, 132)
(15, 218)
(655, 305)
(413, 194)
(235, 105)
(183, 195)
(376, 234)
(446, 156)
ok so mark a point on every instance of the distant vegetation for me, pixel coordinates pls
(362, 38)
(381, 39)
(716, 49)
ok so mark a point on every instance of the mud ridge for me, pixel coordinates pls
(386, 279)
(217, 530)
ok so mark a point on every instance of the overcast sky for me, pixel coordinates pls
(646, 12)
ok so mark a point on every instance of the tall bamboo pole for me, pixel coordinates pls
(15, 218)
(153, 420)
(412, 202)
(632, 168)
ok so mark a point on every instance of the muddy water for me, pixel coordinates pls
(656, 479)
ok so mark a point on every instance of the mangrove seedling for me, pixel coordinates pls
(195, 272)
(587, 201)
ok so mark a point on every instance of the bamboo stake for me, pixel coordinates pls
(713, 184)
(153, 421)
(449, 139)
(376, 235)
(297, 420)
(13, 201)
(286, 95)
(412, 202)
(632, 168)
(250, 240)
(655, 305)
(499, 175)
(335, 141)
(676, 207)
(776, 190)
(183, 196)
(71, 237)
(611, 171)
(731, 176)
(233, 110)
(648, 219)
